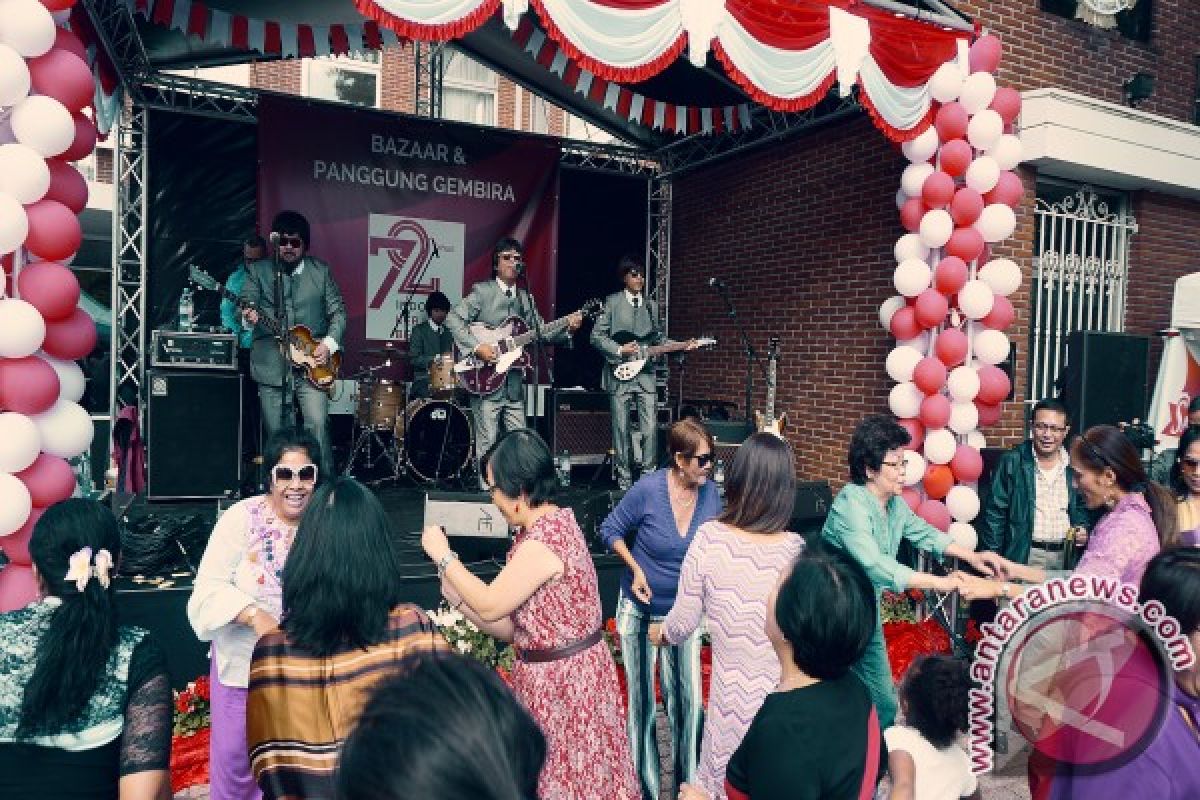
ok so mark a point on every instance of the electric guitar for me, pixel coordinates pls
(766, 421)
(298, 341)
(509, 338)
(628, 370)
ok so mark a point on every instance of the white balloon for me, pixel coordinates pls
(19, 442)
(920, 341)
(996, 223)
(71, 380)
(963, 504)
(26, 26)
(905, 400)
(22, 328)
(964, 535)
(914, 467)
(14, 225)
(888, 309)
(901, 362)
(975, 299)
(914, 177)
(985, 129)
(977, 92)
(910, 246)
(24, 175)
(963, 384)
(984, 172)
(15, 503)
(1002, 275)
(14, 76)
(964, 418)
(976, 440)
(991, 347)
(939, 446)
(921, 148)
(66, 429)
(44, 124)
(936, 227)
(1007, 151)
(946, 83)
(912, 277)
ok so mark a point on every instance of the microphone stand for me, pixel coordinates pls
(286, 410)
(751, 354)
(538, 354)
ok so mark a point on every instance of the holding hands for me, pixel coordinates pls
(655, 634)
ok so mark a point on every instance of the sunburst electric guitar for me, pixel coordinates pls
(766, 420)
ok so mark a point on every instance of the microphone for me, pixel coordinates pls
(716, 283)
(274, 238)
(520, 267)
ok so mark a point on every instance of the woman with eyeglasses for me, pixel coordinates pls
(238, 596)
(868, 520)
(546, 601)
(1185, 482)
(651, 530)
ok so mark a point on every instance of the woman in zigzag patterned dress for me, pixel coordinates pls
(732, 566)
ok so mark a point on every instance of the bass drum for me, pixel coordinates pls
(437, 439)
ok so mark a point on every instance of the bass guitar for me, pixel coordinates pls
(509, 338)
(766, 421)
(297, 342)
(628, 370)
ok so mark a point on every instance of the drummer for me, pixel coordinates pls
(429, 340)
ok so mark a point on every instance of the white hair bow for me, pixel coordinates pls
(81, 568)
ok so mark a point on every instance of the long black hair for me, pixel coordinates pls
(341, 579)
(760, 485)
(1178, 484)
(73, 652)
(1106, 446)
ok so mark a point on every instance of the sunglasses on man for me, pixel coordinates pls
(290, 241)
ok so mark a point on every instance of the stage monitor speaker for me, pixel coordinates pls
(582, 426)
(193, 434)
(1104, 379)
(476, 528)
(813, 499)
(728, 436)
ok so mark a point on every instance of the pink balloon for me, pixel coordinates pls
(18, 587)
(916, 433)
(935, 411)
(984, 55)
(951, 347)
(911, 213)
(85, 139)
(28, 385)
(930, 376)
(1008, 190)
(904, 324)
(930, 308)
(967, 464)
(937, 190)
(49, 480)
(994, 385)
(64, 76)
(54, 231)
(950, 275)
(66, 40)
(966, 206)
(951, 121)
(72, 338)
(50, 288)
(966, 243)
(1001, 315)
(912, 497)
(16, 544)
(989, 413)
(934, 511)
(1007, 103)
(67, 185)
(955, 157)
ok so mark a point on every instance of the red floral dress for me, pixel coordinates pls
(575, 700)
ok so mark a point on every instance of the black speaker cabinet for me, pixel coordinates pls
(582, 426)
(1104, 379)
(193, 434)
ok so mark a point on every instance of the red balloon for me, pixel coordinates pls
(984, 55)
(50, 288)
(950, 275)
(1007, 103)
(937, 190)
(72, 338)
(1001, 315)
(49, 480)
(67, 185)
(955, 157)
(912, 497)
(66, 40)
(16, 544)
(916, 433)
(85, 139)
(28, 385)
(931, 308)
(934, 510)
(966, 206)
(989, 413)
(54, 231)
(967, 464)
(951, 347)
(930, 377)
(1008, 190)
(18, 587)
(994, 385)
(64, 76)
(911, 213)
(935, 411)
(966, 243)
(904, 324)
(951, 121)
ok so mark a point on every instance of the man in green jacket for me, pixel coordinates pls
(1033, 503)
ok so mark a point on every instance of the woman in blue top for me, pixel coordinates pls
(661, 513)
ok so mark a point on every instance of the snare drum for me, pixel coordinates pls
(438, 440)
(441, 377)
(379, 404)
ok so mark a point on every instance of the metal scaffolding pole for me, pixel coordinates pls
(429, 61)
(129, 267)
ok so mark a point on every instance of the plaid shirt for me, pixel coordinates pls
(1050, 520)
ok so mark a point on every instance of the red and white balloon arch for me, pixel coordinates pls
(46, 86)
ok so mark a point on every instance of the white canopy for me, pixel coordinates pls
(1179, 372)
(1185, 310)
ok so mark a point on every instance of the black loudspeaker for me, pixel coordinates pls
(1103, 381)
(193, 434)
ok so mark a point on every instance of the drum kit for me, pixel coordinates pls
(431, 439)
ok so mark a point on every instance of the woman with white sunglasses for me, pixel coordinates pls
(238, 596)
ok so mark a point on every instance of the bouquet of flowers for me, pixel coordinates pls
(192, 710)
(467, 639)
(900, 606)
(190, 739)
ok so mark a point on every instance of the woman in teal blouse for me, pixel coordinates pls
(868, 519)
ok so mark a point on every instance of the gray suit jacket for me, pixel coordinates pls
(312, 299)
(619, 315)
(424, 344)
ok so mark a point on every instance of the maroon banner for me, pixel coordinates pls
(401, 207)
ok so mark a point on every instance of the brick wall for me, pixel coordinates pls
(397, 84)
(277, 76)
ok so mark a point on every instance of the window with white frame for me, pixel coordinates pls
(539, 114)
(468, 90)
(352, 78)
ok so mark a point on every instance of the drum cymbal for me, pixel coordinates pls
(387, 351)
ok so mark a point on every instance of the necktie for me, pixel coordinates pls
(637, 301)
(508, 293)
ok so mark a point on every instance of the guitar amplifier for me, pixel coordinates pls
(582, 426)
(197, 349)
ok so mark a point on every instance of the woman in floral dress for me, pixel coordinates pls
(546, 601)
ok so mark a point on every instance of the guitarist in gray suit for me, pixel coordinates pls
(492, 302)
(312, 299)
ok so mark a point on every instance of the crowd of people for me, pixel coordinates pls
(326, 683)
